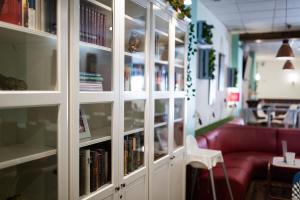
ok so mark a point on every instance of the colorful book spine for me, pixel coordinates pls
(11, 11)
(31, 14)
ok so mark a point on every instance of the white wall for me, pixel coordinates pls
(275, 82)
(222, 44)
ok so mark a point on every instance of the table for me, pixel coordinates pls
(279, 162)
(207, 159)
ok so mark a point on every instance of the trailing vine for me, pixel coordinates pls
(182, 12)
(181, 9)
(191, 91)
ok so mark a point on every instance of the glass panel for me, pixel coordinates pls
(180, 34)
(134, 135)
(29, 14)
(134, 44)
(161, 77)
(178, 123)
(27, 133)
(28, 62)
(161, 128)
(96, 32)
(95, 122)
(95, 69)
(179, 53)
(179, 79)
(161, 39)
(94, 167)
(134, 115)
(35, 180)
(96, 22)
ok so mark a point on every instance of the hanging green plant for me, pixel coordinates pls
(207, 33)
(181, 9)
(191, 91)
(211, 63)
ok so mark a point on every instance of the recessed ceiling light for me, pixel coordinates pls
(258, 41)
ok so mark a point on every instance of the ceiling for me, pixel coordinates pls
(267, 49)
(248, 16)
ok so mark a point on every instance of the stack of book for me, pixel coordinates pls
(34, 14)
(161, 77)
(133, 152)
(94, 169)
(134, 77)
(90, 81)
(92, 24)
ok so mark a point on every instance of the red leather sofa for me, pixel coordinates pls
(246, 151)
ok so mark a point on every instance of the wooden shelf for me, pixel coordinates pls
(134, 20)
(95, 46)
(157, 125)
(161, 62)
(135, 55)
(97, 3)
(179, 40)
(134, 131)
(178, 120)
(22, 29)
(179, 65)
(96, 193)
(93, 140)
(21, 153)
(161, 33)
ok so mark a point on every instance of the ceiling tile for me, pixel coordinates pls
(257, 6)
(257, 15)
(227, 8)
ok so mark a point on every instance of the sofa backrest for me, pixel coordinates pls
(201, 141)
(292, 137)
(242, 138)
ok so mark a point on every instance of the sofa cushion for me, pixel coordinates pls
(292, 137)
(242, 138)
(258, 160)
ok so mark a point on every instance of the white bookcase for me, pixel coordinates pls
(92, 101)
(34, 102)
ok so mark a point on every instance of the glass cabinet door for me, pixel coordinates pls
(134, 46)
(28, 153)
(95, 147)
(178, 123)
(28, 46)
(161, 128)
(179, 59)
(134, 147)
(161, 54)
(96, 33)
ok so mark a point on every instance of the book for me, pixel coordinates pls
(11, 11)
(84, 176)
(31, 14)
(94, 171)
(25, 13)
(92, 24)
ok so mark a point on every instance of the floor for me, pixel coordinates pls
(258, 190)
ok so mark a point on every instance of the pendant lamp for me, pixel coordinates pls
(288, 65)
(285, 52)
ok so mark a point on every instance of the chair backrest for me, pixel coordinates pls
(191, 144)
(296, 187)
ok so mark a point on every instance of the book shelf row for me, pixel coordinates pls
(34, 14)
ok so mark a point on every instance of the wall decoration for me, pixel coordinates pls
(221, 72)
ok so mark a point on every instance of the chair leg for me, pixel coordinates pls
(227, 180)
(211, 175)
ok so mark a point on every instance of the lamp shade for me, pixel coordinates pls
(288, 65)
(285, 52)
